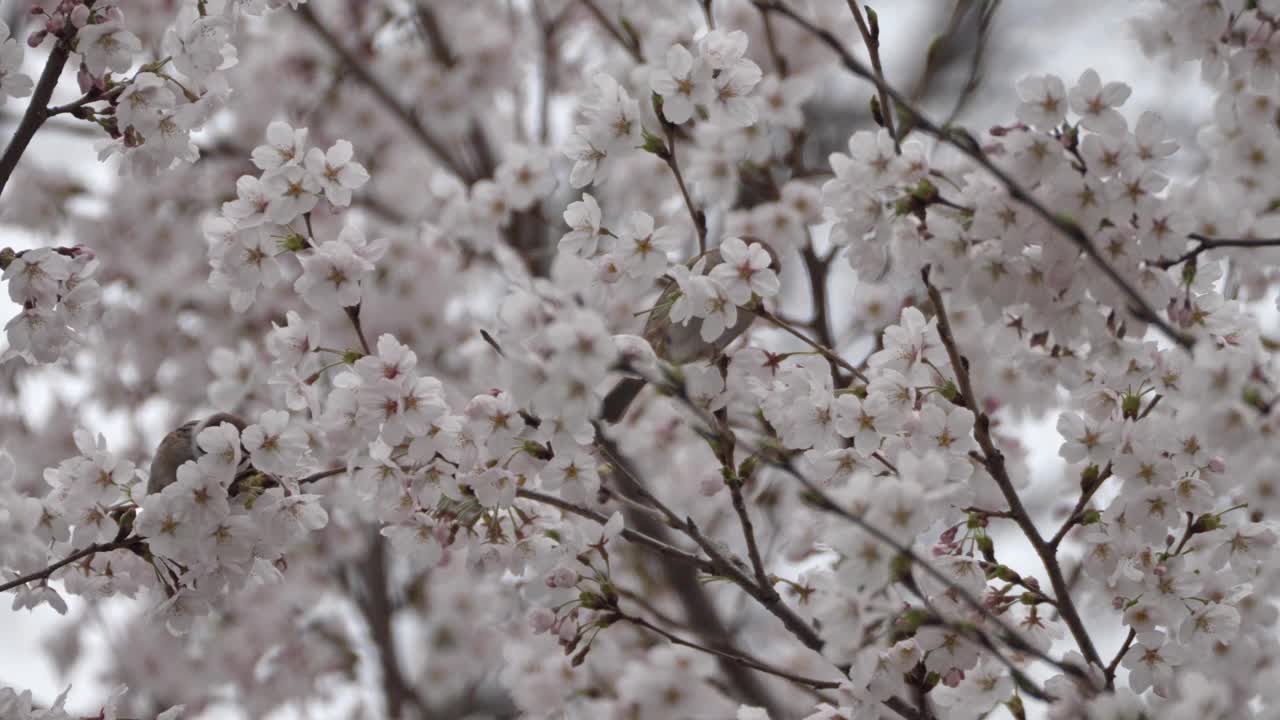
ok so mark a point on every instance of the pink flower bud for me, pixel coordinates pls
(55, 23)
(35, 38)
(80, 16)
(1217, 464)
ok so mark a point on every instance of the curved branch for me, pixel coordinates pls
(1207, 243)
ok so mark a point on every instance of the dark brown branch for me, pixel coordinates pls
(748, 533)
(993, 459)
(375, 605)
(1141, 307)
(37, 110)
(433, 35)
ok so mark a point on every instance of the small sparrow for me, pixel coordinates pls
(676, 343)
(179, 446)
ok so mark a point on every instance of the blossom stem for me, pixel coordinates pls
(993, 460)
(1141, 307)
(37, 111)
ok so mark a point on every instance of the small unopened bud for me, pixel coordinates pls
(1217, 465)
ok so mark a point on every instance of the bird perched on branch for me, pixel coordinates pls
(677, 343)
(180, 445)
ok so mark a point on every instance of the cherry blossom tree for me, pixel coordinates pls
(522, 384)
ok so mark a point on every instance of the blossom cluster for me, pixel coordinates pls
(258, 226)
(58, 296)
(590, 441)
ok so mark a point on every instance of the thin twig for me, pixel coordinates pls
(384, 96)
(1077, 512)
(668, 155)
(630, 535)
(823, 351)
(872, 41)
(1204, 243)
(353, 312)
(609, 27)
(1115, 662)
(748, 533)
(724, 565)
(77, 555)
